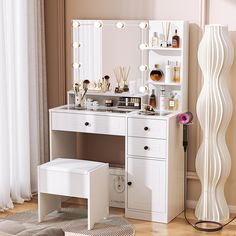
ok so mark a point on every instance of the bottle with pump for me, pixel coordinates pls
(162, 99)
(152, 99)
(175, 40)
(169, 73)
(176, 75)
(154, 40)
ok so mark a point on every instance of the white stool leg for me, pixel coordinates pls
(46, 204)
(98, 202)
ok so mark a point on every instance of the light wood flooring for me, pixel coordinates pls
(176, 227)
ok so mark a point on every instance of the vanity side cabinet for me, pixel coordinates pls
(154, 177)
(175, 169)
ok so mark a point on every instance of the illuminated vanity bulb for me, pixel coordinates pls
(143, 25)
(143, 67)
(75, 24)
(98, 24)
(143, 89)
(76, 45)
(76, 65)
(120, 25)
(143, 46)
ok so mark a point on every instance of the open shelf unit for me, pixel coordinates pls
(161, 55)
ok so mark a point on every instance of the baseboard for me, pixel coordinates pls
(192, 204)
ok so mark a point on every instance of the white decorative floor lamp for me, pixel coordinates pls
(214, 110)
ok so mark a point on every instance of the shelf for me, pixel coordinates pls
(163, 49)
(163, 83)
(112, 94)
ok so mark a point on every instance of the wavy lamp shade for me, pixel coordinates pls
(214, 111)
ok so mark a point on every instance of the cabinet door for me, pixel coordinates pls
(146, 185)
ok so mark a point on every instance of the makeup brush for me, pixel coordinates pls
(76, 88)
(85, 87)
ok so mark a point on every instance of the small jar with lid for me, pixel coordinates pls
(108, 102)
(156, 74)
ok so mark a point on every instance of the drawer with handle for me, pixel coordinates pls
(146, 147)
(147, 128)
(75, 122)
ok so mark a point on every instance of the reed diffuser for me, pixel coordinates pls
(166, 33)
(124, 75)
(117, 72)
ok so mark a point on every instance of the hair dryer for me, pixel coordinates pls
(185, 119)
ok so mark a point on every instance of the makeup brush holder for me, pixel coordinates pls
(79, 99)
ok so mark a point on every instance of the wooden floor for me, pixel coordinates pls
(174, 228)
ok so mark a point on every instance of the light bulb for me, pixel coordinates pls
(142, 46)
(76, 65)
(120, 25)
(98, 24)
(143, 89)
(143, 25)
(143, 67)
(75, 24)
(76, 45)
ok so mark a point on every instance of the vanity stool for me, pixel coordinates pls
(73, 178)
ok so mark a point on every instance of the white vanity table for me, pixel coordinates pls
(154, 159)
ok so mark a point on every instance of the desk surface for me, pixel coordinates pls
(112, 111)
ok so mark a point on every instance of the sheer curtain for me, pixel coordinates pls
(23, 123)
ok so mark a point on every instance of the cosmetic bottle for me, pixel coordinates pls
(152, 99)
(156, 74)
(173, 102)
(169, 73)
(175, 40)
(162, 99)
(176, 76)
(154, 40)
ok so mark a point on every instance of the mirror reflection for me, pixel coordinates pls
(108, 53)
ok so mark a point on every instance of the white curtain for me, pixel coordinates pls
(23, 141)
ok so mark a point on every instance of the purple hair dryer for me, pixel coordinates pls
(185, 119)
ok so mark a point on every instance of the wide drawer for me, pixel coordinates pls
(147, 128)
(146, 147)
(88, 123)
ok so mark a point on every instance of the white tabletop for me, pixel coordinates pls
(72, 165)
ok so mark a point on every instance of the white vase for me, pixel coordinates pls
(214, 111)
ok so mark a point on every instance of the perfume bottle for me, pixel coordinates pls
(155, 40)
(152, 99)
(162, 99)
(176, 76)
(175, 40)
(173, 102)
(156, 74)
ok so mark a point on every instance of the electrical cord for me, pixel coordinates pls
(195, 225)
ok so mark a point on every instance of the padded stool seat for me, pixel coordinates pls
(73, 178)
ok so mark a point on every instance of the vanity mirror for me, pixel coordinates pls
(103, 47)
(128, 52)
